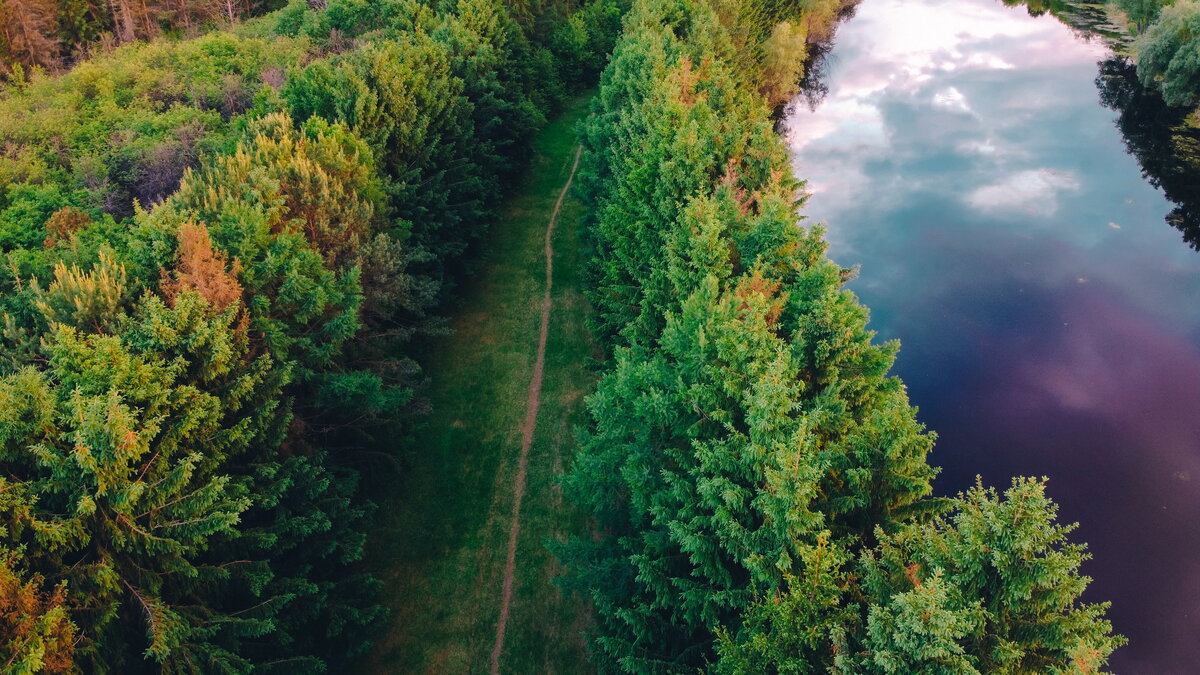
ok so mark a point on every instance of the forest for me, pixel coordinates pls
(225, 225)
(215, 251)
(760, 481)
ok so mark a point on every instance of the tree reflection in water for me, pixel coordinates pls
(1165, 145)
(1163, 139)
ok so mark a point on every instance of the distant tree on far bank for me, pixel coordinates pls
(1169, 53)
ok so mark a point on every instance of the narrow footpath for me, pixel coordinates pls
(530, 424)
(461, 542)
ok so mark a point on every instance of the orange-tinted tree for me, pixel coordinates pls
(36, 633)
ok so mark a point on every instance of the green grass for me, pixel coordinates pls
(443, 530)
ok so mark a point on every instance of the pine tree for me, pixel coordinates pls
(304, 607)
(920, 631)
(992, 586)
(201, 269)
(178, 394)
(402, 99)
(748, 420)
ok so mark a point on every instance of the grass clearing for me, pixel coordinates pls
(441, 543)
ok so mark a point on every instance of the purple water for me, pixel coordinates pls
(1048, 316)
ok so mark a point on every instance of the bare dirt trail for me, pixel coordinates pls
(530, 423)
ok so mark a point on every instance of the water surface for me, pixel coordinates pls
(1048, 314)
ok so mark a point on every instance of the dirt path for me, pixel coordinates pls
(530, 423)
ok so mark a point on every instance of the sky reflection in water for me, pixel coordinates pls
(1047, 313)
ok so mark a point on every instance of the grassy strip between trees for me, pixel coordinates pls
(441, 542)
(216, 254)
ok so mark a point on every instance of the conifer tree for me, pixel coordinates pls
(992, 586)
(402, 99)
(1008, 584)
(36, 633)
(797, 629)
(281, 205)
(122, 503)
(748, 443)
(176, 386)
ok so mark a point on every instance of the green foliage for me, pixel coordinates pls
(995, 584)
(215, 252)
(795, 630)
(1168, 54)
(783, 63)
(51, 35)
(1159, 36)
(919, 631)
(36, 633)
(747, 416)
(29, 207)
(124, 505)
(1141, 12)
(295, 582)
(746, 442)
(290, 206)
(125, 127)
(88, 300)
(404, 102)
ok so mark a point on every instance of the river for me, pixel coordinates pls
(1048, 315)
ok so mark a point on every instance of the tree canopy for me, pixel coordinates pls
(746, 444)
(1168, 55)
(219, 244)
(216, 249)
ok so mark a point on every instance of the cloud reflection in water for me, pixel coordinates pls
(1048, 316)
